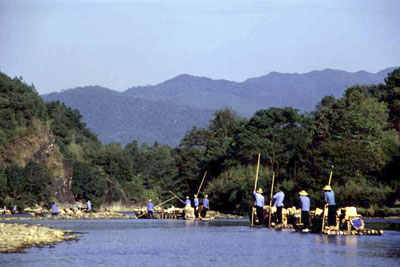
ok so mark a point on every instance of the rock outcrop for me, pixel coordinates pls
(15, 237)
(37, 144)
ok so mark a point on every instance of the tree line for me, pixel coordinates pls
(357, 133)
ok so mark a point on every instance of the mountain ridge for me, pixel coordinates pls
(165, 111)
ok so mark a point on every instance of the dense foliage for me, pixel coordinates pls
(357, 133)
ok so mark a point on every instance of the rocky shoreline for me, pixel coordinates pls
(80, 216)
(104, 216)
(15, 237)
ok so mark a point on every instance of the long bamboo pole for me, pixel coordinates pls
(159, 205)
(325, 206)
(270, 199)
(202, 181)
(168, 200)
(176, 196)
(330, 175)
(255, 187)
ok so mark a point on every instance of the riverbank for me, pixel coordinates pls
(15, 237)
(103, 216)
(72, 216)
(387, 213)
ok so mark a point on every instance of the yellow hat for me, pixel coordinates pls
(327, 188)
(195, 195)
(187, 197)
(149, 200)
(206, 195)
(259, 191)
(303, 193)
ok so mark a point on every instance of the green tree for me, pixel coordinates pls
(88, 183)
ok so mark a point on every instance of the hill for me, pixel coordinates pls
(163, 112)
(301, 91)
(116, 117)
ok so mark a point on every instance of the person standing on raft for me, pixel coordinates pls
(259, 204)
(196, 206)
(187, 202)
(329, 198)
(305, 209)
(206, 206)
(150, 207)
(279, 197)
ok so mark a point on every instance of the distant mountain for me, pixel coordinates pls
(301, 91)
(163, 112)
(119, 118)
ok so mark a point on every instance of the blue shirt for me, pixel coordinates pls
(259, 199)
(150, 206)
(187, 202)
(279, 197)
(305, 203)
(54, 208)
(329, 197)
(196, 202)
(205, 203)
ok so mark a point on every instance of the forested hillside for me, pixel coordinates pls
(358, 133)
(119, 118)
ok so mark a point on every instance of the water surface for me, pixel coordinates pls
(213, 243)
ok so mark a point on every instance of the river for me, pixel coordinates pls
(215, 243)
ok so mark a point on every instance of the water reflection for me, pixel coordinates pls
(348, 241)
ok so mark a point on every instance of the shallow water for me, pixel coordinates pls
(213, 243)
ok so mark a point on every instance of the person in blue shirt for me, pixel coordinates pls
(88, 206)
(150, 207)
(206, 206)
(196, 206)
(259, 204)
(14, 210)
(329, 198)
(278, 203)
(54, 209)
(305, 209)
(187, 202)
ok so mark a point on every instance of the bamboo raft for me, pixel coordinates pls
(291, 220)
(353, 232)
(171, 214)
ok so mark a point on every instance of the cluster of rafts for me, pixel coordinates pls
(186, 213)
(348, 222)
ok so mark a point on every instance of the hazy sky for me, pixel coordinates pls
(119, 44)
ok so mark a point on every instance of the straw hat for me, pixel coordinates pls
(187, 197)
(303, 193)
(149, 200)
(206, 195)
(327, 188)
(259, 191)
(195, 195)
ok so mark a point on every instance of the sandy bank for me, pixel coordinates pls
(15, 237)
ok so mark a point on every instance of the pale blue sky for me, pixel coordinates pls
(119, 44)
